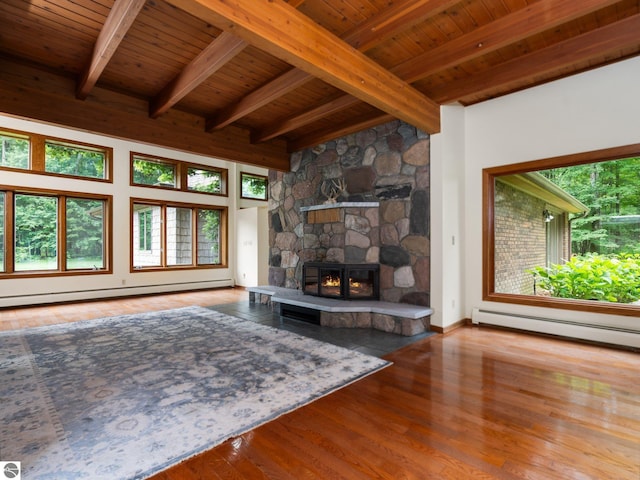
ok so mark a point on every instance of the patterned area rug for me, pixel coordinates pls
(125, 397)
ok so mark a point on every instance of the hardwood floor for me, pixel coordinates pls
(478, 403)
(475, 403)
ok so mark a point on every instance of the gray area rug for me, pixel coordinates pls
(125, 397)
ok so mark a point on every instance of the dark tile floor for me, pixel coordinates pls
(369, 341)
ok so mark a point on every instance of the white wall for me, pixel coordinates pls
(447, 219)
(23, 291)
(252, 227)
(591, 111)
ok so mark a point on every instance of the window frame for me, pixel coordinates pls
(255, 175)
(37, 152)
(182, 174)
(153, 159)
(223, 178)
(147, 215)
(488, 232)
(194, 207)
(61, 235)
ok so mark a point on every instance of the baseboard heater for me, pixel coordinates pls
(302, 314)
(564, 328)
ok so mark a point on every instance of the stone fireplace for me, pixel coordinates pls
(381, 218)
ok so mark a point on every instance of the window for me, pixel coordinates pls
(53, 232)
(253, 186)
(179, 236)
(209, 236)
(85, 234)
(52, 156)
(73, 160)
(170, 235)
(14, 151)
(565, 232)
(36, 232)
(153, 172)
(145, 229)
(208, 180)
(158, 172)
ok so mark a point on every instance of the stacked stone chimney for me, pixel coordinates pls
(384, 216)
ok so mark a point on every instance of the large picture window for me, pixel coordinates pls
(53, 232)
(565, 232)
(170, 235)
(54, 156)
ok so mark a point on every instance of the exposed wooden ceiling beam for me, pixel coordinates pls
(260, 97)
(29, 92)
(279, 29)
(352, 126)
(397, 17)
(327, 108)
(218, 53)
(120, 18)
(535, 18)
(490, 37)
(594, 44)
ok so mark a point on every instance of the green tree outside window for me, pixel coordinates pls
(72, 160)
(14, 151)
(253, 186)
(153, 173)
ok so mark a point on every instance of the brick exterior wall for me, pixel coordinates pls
(520, 239)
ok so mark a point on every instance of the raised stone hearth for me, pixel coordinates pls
(398, 318)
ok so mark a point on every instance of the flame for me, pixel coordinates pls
(331, 281)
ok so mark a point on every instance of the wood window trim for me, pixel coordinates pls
(133, 156)
(255, 175)
(224, 177)
(488, 232)
(164, 204)
(37, 144)
(12, 191)
(181, 171)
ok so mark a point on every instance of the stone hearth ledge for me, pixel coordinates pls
(400, 318)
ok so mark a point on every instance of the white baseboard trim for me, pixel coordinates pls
(102, 293)
(563, 328)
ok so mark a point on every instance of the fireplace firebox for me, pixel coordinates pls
(344, 281)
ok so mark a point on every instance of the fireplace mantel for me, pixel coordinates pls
(333, 212)
(326, 206)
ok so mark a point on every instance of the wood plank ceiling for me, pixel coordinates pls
(251, 80)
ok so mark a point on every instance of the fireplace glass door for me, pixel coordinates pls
(330, 283)
(349, 282)
(361, 283)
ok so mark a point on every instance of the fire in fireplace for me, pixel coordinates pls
(344, 281)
